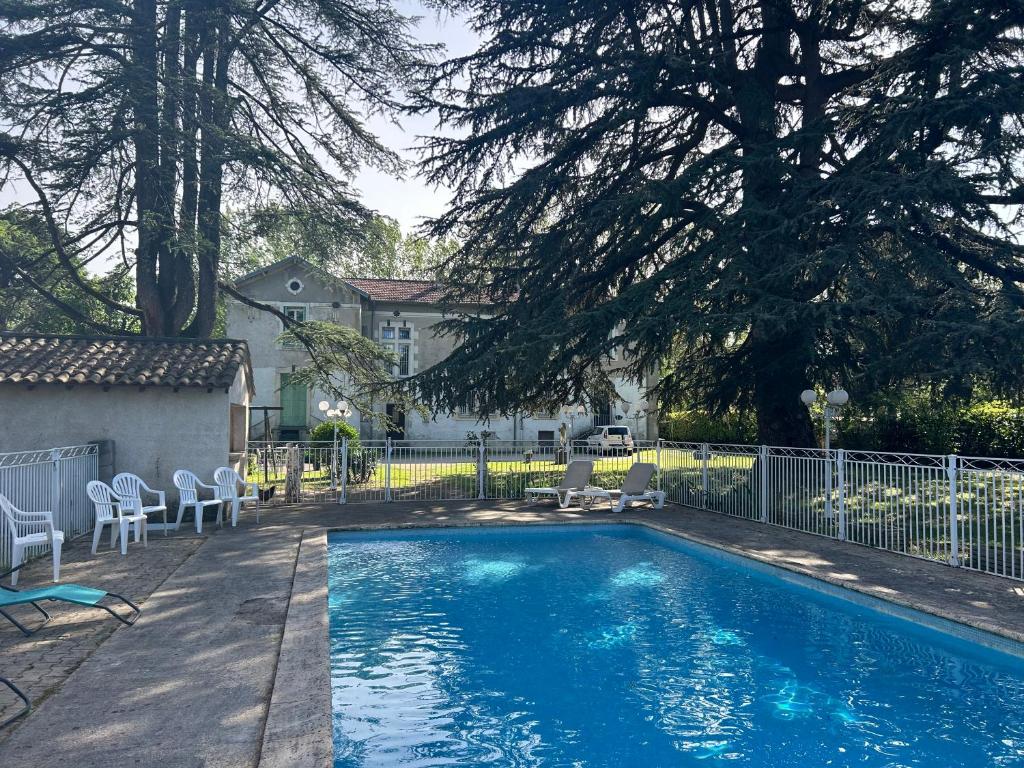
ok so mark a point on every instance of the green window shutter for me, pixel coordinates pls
(293, 402)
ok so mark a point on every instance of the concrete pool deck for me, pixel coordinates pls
(228, 613)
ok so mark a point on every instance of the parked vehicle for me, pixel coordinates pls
(609, 439)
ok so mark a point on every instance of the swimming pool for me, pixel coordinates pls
(618, 646)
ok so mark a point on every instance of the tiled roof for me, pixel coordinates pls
(120, 360)
(417, 291)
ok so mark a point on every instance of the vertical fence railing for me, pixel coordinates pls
(966, 511)
(51, 480)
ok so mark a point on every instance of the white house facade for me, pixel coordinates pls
(401, 315)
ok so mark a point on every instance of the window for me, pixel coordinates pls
(294, 285)
(618, 430)
(296, 312)
(399, 341)
(238, 428)
(403, 359)
(467, 407)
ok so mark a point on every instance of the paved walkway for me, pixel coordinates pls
(41, 663)
(190, 683)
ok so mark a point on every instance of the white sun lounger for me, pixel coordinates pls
(577, 475)
(636, 487)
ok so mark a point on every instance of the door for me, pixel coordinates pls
(293, 402)
(396, 430)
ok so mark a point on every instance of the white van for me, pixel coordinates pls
(609, 439)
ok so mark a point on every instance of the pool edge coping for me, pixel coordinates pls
(299, 727)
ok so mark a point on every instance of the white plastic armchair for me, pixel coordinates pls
(111, 511)
(30, 529)
(228, 483)
(188, 486)
(130, 488)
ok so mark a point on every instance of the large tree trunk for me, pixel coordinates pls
(186, 241)
(142, 90)
(171, 275)
(215, 120)
(779, 346)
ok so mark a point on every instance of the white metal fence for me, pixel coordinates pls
(965, 511)
(50, 480)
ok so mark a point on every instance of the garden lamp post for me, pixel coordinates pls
(340, 411)
(834, 402)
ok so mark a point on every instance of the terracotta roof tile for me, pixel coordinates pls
(416, 291)
(120, 360)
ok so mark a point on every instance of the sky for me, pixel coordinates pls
(410, 200)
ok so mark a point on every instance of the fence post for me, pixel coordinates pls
(344, 471)
(55, 486)
(762, 462)
(657, 462)
(841, 479)
(954, 532)
(704, 457)
(387, 469)
(480, 461)
(829, 514)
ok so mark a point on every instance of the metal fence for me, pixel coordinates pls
(435, 470)
(965, 511)
(50, 480)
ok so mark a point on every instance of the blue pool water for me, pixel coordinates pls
(615, 646)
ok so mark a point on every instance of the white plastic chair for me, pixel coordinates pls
(110, 509)
(188, 486)
(29, 529)
(228, 482)
(131, 487)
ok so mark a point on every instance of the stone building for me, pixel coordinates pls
(399, 314)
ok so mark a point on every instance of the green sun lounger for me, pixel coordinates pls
(17, 692)
(63, 593)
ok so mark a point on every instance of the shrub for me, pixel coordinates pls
(324, 433)
(917, 425)
(912, 423)
(700, 427)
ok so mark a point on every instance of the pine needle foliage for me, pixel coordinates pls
(756, 196)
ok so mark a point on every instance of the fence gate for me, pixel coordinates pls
(50, 480)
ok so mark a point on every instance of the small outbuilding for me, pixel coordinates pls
(156, 404)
